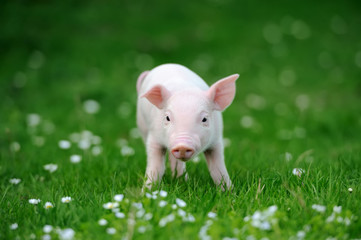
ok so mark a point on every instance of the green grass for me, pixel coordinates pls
(55, 56)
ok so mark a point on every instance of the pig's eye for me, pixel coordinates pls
(167, 118)
(204, 119)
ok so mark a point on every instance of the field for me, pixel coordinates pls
(68, 72)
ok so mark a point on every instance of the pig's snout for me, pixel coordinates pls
(182, 152)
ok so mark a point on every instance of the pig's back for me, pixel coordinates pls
(174, 77)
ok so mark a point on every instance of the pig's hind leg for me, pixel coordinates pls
(155, 162)
(177, 166)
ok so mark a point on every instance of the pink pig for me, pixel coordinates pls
(177, 112)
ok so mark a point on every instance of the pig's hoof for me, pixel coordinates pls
(186, 176)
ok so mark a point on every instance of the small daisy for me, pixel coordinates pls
(14, 226)
(148, 216)
(66, 199)
(91, 106)
(102, 222)
(34, 201)
(75, 158)
(138, 205)
(66, 234)
(350, 190)
(46, 237)
(180, 202)
(163, 193)
(120, 215)
(111, 231)
(126, 151)
(162, 203)
(47, 228)
(142, 229)
(96, 150)
(64, 144)
(298, 172)
(15, 181)
(119, 197)
(48, 205)
(51, 167)
(212, 215)
(337, 209)
(181, 213)
(110, 205)
(319, 208)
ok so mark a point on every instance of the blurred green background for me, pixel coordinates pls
(54, 54)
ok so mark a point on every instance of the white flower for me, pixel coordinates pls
(148, 216)
(75, 158)
(119, 197)
(298, 172)
(64, 144)
(181, 213)
(15, 146)
(97, 150)
(180, 202)
(174, 206)
(212, 215)
(102, 222)
(115, 210)
(48, 205)
(66, 234)
(33, 119)
(51, 167)
(247, 121)
(148, 195)
(66, 199)
(140, 213)
(319, 208)
(34, 201)
(15, 181)
(288, 156)
(91, 106)
(135, 133)
(350, 190)
(110, 205)
(120, 215)
(163, 193)
(14, 226)
(126, 151)
(162, 203)
(84, 144)
(46, 237)
(189, 218)
(301, 234)
(47, 228)
(137, 205)
(337, 209)
(166, 219)
(111, 231)
(142, 229)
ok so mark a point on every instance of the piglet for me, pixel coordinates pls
(178, 113)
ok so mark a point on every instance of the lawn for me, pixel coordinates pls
(68, 72)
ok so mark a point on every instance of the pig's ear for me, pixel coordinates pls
(222, 92)
(157, 95)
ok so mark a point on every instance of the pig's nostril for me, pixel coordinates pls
(182, 152)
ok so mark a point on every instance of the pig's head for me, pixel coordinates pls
(188, 115)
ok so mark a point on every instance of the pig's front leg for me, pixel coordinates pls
(217, 167)
(155, 162)
(177, 166)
